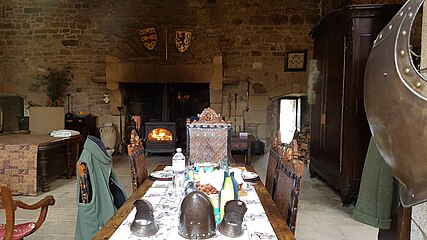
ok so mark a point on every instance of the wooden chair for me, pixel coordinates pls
(209, 138)
(138, 164)
(400, 226)
(270, 178)
(287, 185)
(274, 158)
(10, 230)
(85, 184)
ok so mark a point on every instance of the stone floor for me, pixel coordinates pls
(320, 214)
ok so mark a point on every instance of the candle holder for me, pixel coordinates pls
(68, 114)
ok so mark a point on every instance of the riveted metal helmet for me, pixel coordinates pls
(232, 223)
(144, 224)
(396, 105)
(197, 219)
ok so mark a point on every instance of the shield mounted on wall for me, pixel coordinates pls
(148, 37)
(182, 40)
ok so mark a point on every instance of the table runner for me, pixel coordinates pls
(18, 162)
(166, 213)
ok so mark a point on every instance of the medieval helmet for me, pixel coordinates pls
(232, 223)
(144, 224)
(197, 219)
(395, 96)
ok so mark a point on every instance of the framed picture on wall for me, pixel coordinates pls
(295, 60)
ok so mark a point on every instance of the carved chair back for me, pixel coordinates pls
(273, 161)
(209, 138)
(138, 164)
(11, 231)
(287, 183)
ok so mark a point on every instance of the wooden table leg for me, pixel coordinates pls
(68, 161)
(249, 153)
(76, 157)
(43, 169)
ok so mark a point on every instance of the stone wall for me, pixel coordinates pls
(254, 36)
(329, 5)
(250, 36)
(37, 35)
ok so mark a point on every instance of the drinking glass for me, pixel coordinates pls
(178, 184)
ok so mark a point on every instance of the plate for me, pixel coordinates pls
(249, 176)
(161, 175)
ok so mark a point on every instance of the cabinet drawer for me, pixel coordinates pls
(74, 121)
(239, 145)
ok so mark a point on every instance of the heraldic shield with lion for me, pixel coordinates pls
(182, 40)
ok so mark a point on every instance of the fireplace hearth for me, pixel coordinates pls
(165, 106)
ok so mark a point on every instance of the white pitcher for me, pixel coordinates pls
(108, 137)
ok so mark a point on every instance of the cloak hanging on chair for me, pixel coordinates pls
(378, 194)
(107, 192)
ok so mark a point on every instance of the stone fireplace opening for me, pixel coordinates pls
(163, 92)
(164, 109)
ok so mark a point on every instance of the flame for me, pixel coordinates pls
(160, 134)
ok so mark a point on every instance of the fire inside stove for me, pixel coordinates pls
(160, 134)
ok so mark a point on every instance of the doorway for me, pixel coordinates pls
(290, 118)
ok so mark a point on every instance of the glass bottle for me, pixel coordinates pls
(228, 192)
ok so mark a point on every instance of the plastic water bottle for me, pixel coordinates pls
(178, 167)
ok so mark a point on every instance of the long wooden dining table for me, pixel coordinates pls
(22, 156)
(276, 219)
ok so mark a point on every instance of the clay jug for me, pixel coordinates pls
(108, 135)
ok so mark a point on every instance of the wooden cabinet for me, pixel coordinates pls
(85, 125)
(244, 145)
(339, 129)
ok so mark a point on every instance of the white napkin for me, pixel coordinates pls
(215, 178)
(237, 175)
(64, 133)
(168, 169)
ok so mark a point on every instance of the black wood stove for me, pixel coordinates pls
(160, 137)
